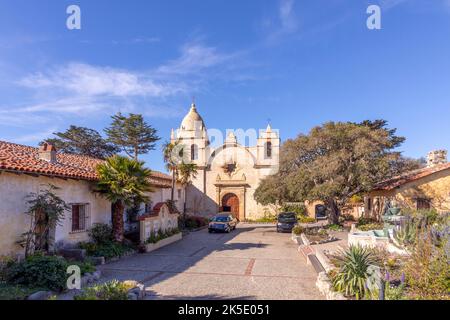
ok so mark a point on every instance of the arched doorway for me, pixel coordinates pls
(230, 203)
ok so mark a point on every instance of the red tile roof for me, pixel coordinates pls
(24, 159)
(410, 176)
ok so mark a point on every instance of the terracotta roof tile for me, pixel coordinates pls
(20, 158)
(410, 176)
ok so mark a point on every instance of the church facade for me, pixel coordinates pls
(229, 173)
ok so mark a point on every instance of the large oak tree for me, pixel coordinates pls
(334, 162)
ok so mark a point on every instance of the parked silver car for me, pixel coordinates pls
(222, 222)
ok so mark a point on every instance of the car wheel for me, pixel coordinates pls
(210, 231)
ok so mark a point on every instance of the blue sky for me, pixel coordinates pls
(298, 63)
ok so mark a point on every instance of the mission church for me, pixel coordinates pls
(229, 174)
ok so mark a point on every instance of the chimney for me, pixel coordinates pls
(47, 152)
(436, 157)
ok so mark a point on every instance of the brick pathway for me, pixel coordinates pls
(252, 262)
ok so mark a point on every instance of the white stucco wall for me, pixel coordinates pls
(204, 196)
(163, 194)
(13, 220)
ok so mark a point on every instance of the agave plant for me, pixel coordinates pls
(354, 271)
(406, 234)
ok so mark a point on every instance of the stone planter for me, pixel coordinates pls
(305, 240)
(325, 287)
(149, 247)
(296, 238)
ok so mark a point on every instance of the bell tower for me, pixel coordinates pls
(192, 134)
(268, 147)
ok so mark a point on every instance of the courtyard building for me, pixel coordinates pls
(422, 189)
(25, 170)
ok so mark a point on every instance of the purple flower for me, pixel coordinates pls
(387, 276)
(402, 279)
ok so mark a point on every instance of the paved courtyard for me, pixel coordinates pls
(252, 262)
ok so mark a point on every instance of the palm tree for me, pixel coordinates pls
(122, 181)
(172, 162)
(186, 172)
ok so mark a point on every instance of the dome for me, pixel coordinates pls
(192, 120)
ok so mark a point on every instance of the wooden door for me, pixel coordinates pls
(232, 201)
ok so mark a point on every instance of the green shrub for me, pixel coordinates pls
(427, 270)
(346, 217)
(265, 219)
(40, 271)
(112, 290)
(298, 230)
(15, 292)
(334, 227)
(193, 222)
(5, 263)
(393, 292)
(353, 272)
(108, 250)
(422, 217)
(371, 226)
(363, 221)
(101, 233)
(298, 208)
(85, 267)
(305, 219)
(158, 236)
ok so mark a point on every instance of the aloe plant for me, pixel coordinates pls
(406, 234)
(354, 272)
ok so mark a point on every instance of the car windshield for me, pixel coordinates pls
(220, 219)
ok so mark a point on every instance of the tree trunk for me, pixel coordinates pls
(172, 192)
(333, 216)
(117, 222)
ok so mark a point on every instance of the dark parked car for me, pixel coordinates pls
(286, 221)
(222, 222)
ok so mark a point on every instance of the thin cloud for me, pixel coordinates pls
(34, 137)
(91, 80)
(87, 90)
(287, 16)
(137, 40)
(195, 57)
(286, 22)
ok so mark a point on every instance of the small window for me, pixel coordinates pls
(79, 217)
(268, 150)
(194, 152)
(423, 204)
(179, 193)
